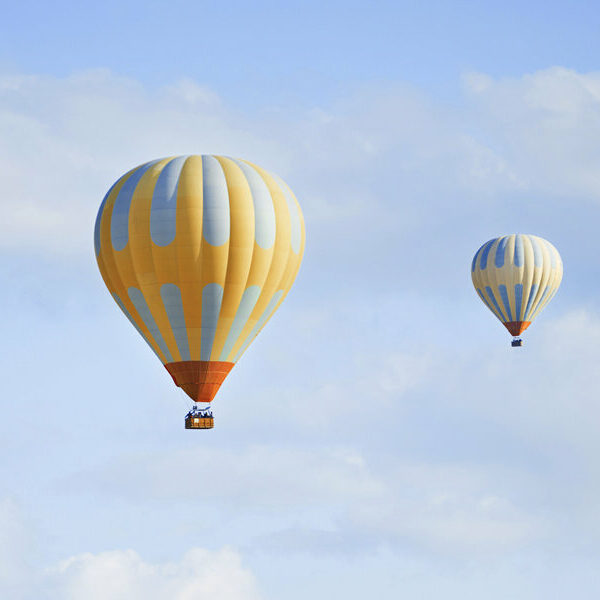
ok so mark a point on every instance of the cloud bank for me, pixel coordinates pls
(369, 156)
(416, 432)
(114, 575)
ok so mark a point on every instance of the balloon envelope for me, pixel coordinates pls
(516, 276)
(199, 252)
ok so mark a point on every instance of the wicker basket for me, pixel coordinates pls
(195, 422)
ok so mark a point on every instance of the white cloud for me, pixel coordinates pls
(113, 575)
(377, 160)
(448, 508)
(547, 392)
(545, 125)
(124, 575)
(17, 550)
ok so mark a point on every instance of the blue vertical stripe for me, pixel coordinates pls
(519, 258)
(137, 297)
(485, 300)
(163, 211)
(504, 296)
(212, 296)
(493, 300)
(259, 324)
(171, 297)
(215, 210)
(538, 256)
(518, 300)
(475, 258)
(532, 294)
(119, 225)
(131, 320)
(543, 298)
(264, 211)
(247, 304)
(484, 255)
(500, 252)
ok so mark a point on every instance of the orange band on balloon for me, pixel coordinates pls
(517, 327)
(199, 379)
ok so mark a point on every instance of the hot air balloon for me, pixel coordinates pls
(516, 276)
(199, 252)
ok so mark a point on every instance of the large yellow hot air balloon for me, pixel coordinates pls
(199, 252)
(516, 276)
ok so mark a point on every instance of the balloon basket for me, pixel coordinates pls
(517, 343)
(199, 422)
(199, 418)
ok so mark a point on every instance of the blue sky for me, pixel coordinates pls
(422, 456)
(259, 54)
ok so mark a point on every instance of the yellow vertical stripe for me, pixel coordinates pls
(241, 246)
(188, 247)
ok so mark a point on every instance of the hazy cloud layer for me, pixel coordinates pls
(546, 126)
(442, 508)
(370, 156)
(382, 415)
(114, 575)
(120, 574)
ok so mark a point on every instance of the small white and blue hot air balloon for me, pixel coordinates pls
(516, 276)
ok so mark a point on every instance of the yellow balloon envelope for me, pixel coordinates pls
(199, 252)
(516, 276)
